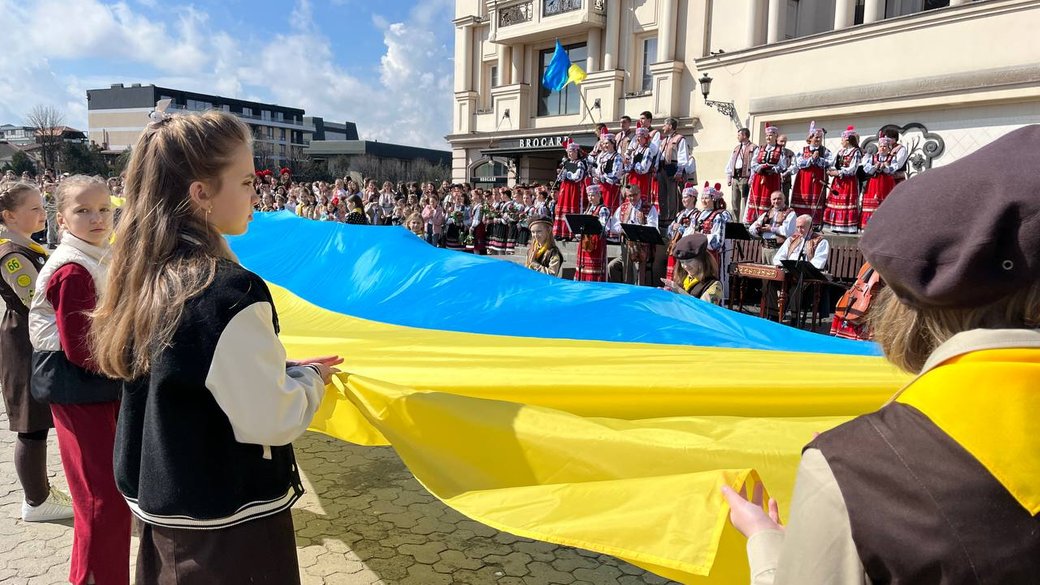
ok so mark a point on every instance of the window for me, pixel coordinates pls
(566, 101)
(270, 132)
(281, 134)
(895, 8)
(649, 56)
(279, 117)
(791, 23)
(265, 115)
(494, 76)
(248, 112)
(281, 150)
(492, 172)
(225, 108)
(857, 17)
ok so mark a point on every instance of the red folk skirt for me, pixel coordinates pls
(670, 272)
(878, 187)
(842, 213)
(568, 202)
(592, 259)
(807, 193)
(846, 330)
(611, 196)
(646, 186)
(762, 186)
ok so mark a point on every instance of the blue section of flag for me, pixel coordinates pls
(558, 71)
(390, 275)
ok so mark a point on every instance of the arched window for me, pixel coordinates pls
(491, 172)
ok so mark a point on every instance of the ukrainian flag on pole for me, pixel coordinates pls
(561, 71)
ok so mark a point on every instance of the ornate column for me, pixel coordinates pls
(666, 31)
(873, 11)
(595, 47)
(504, 66)
(777, 27)
(612, 32)
(517, 64)
(844, 13)
(755, 19)
(463, 58)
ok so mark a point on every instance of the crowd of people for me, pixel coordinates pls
(117, 339)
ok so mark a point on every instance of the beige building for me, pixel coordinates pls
(951, 74)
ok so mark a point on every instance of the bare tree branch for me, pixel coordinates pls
(48, 123)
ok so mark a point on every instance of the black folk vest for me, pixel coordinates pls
(922, 509)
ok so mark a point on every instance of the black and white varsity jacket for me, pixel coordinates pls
(204, 441)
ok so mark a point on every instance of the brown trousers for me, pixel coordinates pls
(257, 552)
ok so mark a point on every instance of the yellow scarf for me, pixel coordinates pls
(541, 251)
(689, 282)
(987, 401)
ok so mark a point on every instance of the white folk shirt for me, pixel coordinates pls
(786, 226)
(819, 258)
(614, 225)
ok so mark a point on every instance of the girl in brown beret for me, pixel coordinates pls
(939, 486)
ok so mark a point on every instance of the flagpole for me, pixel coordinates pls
(584, 102)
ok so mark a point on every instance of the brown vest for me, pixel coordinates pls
(810, 245)
(670, 147)
(922, 509)
(6, 292)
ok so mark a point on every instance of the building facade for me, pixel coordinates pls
(116, 117)
(952, 75)
(20, 135)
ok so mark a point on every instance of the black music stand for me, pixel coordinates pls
(583, 225)
(737, 231)
(643, 234)
(806, 273)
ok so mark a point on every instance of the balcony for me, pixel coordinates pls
(529, 21)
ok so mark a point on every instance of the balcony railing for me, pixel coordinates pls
(516, 14)
(538, 20)
(554, 7)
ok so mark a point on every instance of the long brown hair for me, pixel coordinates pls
(165, 252)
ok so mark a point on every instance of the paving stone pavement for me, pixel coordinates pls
(364, 520)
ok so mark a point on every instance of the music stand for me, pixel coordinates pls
(737, 231)
(806, 273)
(734, 230)
(583, 225)
(642, 234)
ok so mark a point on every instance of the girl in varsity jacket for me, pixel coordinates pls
(210, 405)
(84, 403)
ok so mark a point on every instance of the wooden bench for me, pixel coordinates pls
(845, 261)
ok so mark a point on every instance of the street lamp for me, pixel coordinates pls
(725, 108)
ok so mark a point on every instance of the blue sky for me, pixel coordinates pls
(386, 64)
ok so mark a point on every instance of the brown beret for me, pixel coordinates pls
(964, 234)
(540, 220)
(690, 246)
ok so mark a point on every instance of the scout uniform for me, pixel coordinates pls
(939, 485)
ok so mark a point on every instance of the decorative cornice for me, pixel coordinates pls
(863, 32)
(989, 80)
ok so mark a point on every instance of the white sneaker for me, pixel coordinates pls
(58, 506)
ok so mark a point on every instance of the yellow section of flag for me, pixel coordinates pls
(576, 74)
(614, 447)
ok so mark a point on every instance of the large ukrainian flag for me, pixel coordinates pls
(595, 415)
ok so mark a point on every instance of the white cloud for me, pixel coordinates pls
(409, 102)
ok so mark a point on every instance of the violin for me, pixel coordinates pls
(854, 305)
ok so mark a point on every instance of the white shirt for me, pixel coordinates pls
(614, 225)
(784, 229)
(819, 259)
